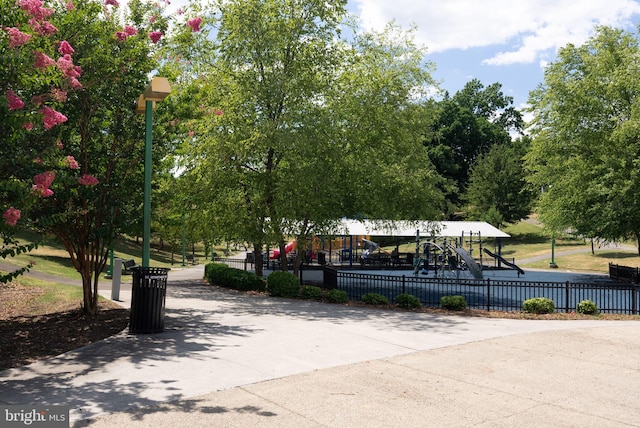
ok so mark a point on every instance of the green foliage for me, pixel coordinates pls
(374, 299)
(497, 192)
(11, 248)
(468, 124)
(408, 301)
(224, 276)
(587, 307)
(311, 292)
(259, 154)
(585, 138)
(336, 296)
(538, 305)
(283, 284)
(453, 303)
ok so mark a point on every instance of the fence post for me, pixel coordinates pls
(568, 285)
(403, 283)
(488, 294)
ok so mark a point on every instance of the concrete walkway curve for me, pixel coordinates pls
(232, 360)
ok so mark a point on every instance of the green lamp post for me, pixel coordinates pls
(553, 264)
(157, 90)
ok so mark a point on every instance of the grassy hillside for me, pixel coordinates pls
(51, 257)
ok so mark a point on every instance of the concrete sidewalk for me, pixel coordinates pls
(235, 360)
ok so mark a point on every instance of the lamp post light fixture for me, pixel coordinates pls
(157, 90)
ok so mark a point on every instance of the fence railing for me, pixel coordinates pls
(491, 294)
(487, 294)
(624, 273)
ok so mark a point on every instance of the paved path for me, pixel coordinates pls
(232, 360)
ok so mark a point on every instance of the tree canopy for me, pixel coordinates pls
(585, 151)
(468, 124)
(303, 126)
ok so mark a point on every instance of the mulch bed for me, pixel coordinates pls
(25, 339)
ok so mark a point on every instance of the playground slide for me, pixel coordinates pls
(287, 249)
(474, 268)
(504, 261)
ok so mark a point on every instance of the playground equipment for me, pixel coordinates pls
(447, 255)
(504, 261)
(287, 249)
(443, 256)
(373, 254)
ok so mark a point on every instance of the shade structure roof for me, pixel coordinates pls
(424, 228)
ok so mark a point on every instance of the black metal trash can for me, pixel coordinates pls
(147, 300)
(322, 259)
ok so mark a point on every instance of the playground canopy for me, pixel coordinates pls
(425, 228)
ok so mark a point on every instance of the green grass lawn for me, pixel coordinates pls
(52, 258)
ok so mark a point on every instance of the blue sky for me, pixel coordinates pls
(505, 41)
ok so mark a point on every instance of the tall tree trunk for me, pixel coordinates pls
(90, 299)
(257, 257)
(283, 255)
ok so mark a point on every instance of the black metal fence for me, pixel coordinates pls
(492, 294)
(243, 264)
(487, 294)
(624, 273)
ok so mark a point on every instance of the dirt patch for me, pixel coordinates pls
(25, 339)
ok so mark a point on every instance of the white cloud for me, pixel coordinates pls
(525, 29)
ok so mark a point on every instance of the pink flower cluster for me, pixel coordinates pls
(35, 9)
(59, 95)
(43, 61)
(71, 72)
(194, 23)
(127, 31)
(14, 101)
(155, 36)
(43, 182)
(44, 28)
(88, 180)
(65, 48)
(17, 37)
(113, 3)
(38, 15)
(11, 216)
(72, 163)
(51, 117)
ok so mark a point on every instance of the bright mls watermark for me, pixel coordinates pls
(34, 416)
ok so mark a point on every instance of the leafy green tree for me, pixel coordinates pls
(498, 192)
(585, 147)
(381, 111)
(302, 127)
(468, 125)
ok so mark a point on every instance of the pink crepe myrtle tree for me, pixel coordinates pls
(68, 131)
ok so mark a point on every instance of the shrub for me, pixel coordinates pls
(311, 292)
(247, 281)
(216, 273)
(283, 284)
(453, 303)
(374, 299)
(538, 305)
(224, 276)
(587, 307)
(408, 301)
(336, 296)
